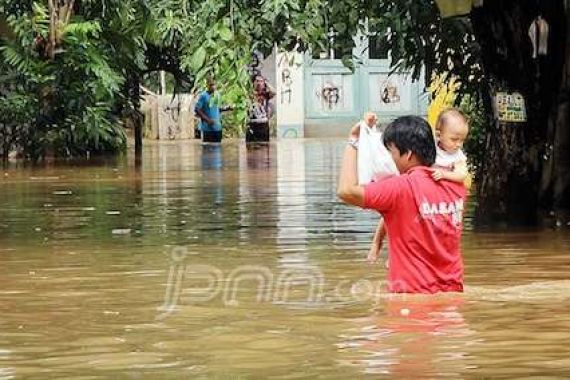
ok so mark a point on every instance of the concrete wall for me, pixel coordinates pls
(290, 102)
(168, 117)
(305, 107)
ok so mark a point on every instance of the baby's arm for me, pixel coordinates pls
(458, 174)
(379, 236)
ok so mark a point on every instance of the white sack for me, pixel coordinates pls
(374, 160)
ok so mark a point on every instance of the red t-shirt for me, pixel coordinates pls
(424, 224)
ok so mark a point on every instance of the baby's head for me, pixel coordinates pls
(370, 119)
(451, 129)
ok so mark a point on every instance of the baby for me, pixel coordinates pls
(451, 130)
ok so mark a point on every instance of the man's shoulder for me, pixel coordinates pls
(389, 182)
(420, 172)
(423, 175)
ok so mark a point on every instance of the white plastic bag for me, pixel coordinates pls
(374, 160)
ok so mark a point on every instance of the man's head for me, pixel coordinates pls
(211, 85)
(410, 141)
(370, 119)
(451, 129)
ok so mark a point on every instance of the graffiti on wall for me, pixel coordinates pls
(330, 95)
(286, 83)
(389, 93)
(168, 117)
(332, 92)
(285, 62)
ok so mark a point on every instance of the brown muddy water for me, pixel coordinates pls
(223, 262)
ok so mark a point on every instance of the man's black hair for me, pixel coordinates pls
(412, 134)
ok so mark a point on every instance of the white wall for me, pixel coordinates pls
(290, 97)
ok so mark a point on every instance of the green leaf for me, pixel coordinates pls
(225, 33)
(198, 59)
(348, 62)
(340, 27)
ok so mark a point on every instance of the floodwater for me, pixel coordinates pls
(222, 262)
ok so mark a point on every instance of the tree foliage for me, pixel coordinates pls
(68, 77)
(83, 61)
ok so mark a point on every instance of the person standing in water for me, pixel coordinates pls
(260, 112)
(208, 109)
(451, 129)
(423, 216)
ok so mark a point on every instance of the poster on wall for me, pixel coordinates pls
(510, 107)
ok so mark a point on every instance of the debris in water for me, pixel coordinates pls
(113, 212)
(405, 312)
(62, 192)
(44, 178)
(121, 231)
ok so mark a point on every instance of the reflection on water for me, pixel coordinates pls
(408, 336)
(226, 261)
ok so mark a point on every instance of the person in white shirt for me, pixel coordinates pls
(451, 130)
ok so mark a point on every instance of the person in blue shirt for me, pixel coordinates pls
(209, 111)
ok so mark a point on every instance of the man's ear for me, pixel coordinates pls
(409, 155)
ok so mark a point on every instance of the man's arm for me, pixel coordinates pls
(203, 116)
(348, 189)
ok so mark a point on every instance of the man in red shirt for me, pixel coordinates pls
(423, 217)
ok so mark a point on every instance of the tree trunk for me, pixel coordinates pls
(60, 12)
(136, 117)
(561, 190)
(510, 179)
(138, 138)
(556, 177)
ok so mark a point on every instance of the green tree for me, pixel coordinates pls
(64, 64)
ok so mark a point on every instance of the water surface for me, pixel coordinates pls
(224, 262)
